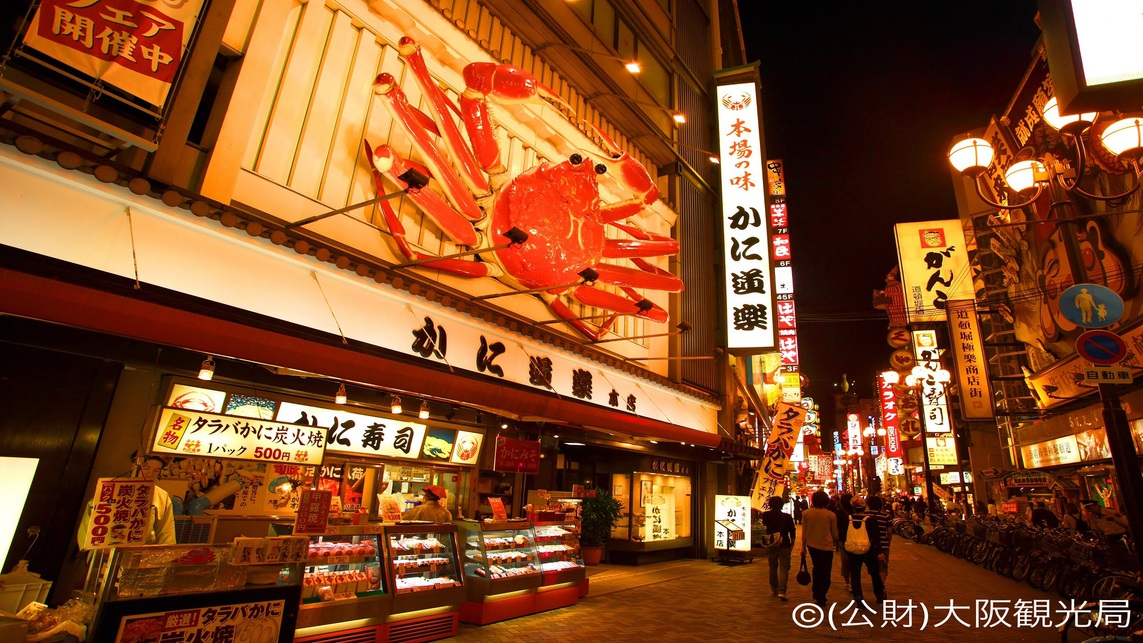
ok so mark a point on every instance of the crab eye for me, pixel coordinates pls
(575, 159)
(601, 169)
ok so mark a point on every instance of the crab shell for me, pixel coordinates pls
(558, 206)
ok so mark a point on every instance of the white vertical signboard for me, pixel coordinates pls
(732, 522)
(934, 267)
(747, 275)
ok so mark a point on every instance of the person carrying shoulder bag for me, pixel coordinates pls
(819, 539)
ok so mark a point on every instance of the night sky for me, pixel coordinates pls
(862, 101)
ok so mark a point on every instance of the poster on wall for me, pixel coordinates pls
(259, 621)
(119, 513)
(659, 517)
(195, 433)
(313, 512)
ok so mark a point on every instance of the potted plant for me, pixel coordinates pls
(599, 514)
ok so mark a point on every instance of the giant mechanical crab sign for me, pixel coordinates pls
(557, 204)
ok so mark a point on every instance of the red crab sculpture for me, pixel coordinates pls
(556, 204)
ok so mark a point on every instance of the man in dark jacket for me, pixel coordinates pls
(779, 522)
(861, 520)
(1043, 517)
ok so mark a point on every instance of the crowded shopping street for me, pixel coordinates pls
(398, 321)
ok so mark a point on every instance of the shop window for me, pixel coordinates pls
(654, 77)
(604, 22)
(204, 128)
(583, 8)
(625, 42)
(658, 506)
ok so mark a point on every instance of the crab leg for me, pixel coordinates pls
(647, 276)
(503, 84)
(595, 333)
(632, 176)
(392, 165)
(646, 244)
(452, 266)
(397, 103)
(442, 116)
(632, 304)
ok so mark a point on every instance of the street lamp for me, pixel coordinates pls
(1028, 178)
(1061, 178)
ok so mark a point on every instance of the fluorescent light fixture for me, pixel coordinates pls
(574, 444)
(16, 477)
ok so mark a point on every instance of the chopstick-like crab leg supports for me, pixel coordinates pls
(503, 84)
(645, 244)
(442, 113)
(397, 103)
(392, 166)
(458, 267)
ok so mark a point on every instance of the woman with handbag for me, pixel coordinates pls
(819, 538)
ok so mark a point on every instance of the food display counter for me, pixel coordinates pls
(502, 568)
(563, 572)
(247, 591)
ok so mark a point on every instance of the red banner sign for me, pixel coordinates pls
(517, 456)
(135, 45)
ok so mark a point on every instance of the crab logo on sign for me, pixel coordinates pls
(481, 203)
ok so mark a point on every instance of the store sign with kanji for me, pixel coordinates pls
(934, 401)
(732, 523)
(942, 451)
(934, 267)
(360, 434)
(135, 45)
(770, 481)
(517, 456)
(258, 621)
(209, 435)
(746, 238)
(971, 366)
(119, 513)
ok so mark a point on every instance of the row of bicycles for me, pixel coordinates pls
(1088, 571)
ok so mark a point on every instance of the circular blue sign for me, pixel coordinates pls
(1091, 306)
(1101, 347)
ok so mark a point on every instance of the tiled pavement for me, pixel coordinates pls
(697, 600)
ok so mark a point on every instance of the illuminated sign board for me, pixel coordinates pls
(971, 366)
(190, 433)
(360, 434)
(934, 267)
(934, 401)
(889, 417)
(732, 523)
(750, 318)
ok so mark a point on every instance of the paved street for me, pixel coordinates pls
(694, 600)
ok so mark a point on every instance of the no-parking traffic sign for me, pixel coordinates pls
(1101, 347)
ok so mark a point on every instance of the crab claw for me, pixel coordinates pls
(632, 176)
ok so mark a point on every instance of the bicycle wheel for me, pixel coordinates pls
(1036, 575)
(1111, 586)
(1051, 575)
(1021, 565)
(1091, 625)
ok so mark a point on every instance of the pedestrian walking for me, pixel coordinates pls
(799, 508)
(779, 522)
(819, 539)
(861, 540)
(844, 511)
(876, 507)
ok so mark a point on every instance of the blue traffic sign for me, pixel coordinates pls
(1091, 306)
(1101, 347)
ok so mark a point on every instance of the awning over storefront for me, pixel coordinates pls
(254, 338)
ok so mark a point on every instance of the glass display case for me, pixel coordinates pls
(423, 567)
(557, 544)
(499, 550)
(342, 567)
(143, 588)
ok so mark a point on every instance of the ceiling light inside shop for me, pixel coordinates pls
(340, 398)
(394, 404)
(424, 412)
